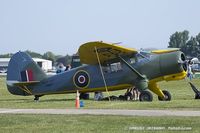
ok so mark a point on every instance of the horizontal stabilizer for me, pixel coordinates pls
(17, 83)
(22, 86)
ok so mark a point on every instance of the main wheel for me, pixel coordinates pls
(167, 96)
(146, 96)
(129, 96)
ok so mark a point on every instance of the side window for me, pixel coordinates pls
(106, 69)
(115, 67)
(143, 56)
(139, 57)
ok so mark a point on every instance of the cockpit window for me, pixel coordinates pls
(139, 56)
(142, 55)
(132, 60)
(113, 67)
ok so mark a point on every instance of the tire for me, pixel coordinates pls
(167, 96)
(129, 96)
(122, 98)
(114, 98)
(146, 96)
(98, 96)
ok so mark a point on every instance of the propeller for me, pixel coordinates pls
(182, 61)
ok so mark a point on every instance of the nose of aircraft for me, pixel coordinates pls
(183, 62)
(172, 63)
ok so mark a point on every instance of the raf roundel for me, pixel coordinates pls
(81, 79)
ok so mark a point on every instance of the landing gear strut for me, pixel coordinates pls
(167, 96)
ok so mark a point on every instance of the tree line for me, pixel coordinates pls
(48, 56)
(189, 45)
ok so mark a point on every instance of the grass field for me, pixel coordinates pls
(182, 98)
(98, 124)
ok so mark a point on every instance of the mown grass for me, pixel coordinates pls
(182, 98)
(99, 124)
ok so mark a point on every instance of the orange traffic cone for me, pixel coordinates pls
(77, 100)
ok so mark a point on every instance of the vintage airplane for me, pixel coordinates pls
(107, 67)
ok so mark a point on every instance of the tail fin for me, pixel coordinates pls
(22, 68)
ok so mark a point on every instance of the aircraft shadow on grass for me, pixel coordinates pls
(7, 100)
(30, 100)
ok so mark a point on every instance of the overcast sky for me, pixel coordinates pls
(61, 26)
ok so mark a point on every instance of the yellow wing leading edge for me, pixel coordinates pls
(162, 51)
(106, 51)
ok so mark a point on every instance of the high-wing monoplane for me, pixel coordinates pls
(106, 67)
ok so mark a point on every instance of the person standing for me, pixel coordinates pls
(68, 67)
(189, 70)
(61, 68)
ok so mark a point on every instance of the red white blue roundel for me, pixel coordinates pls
(81, 79)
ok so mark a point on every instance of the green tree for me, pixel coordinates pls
(192, 47)
(198, 38)
(65, 60)
(6, 55)
(49, 56)
(68, 59)
(179, 40)
(33, 54)
(198, 45)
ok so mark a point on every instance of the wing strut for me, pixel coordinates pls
(132, 68)
(102, 73)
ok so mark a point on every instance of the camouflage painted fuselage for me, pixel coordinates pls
(88, 78)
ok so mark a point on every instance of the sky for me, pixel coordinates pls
(61, 26)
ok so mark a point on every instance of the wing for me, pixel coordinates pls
(169, 50)
(106, 51)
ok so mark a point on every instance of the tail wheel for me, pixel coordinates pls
(146, 96)
(37, 97)
(167, 96)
